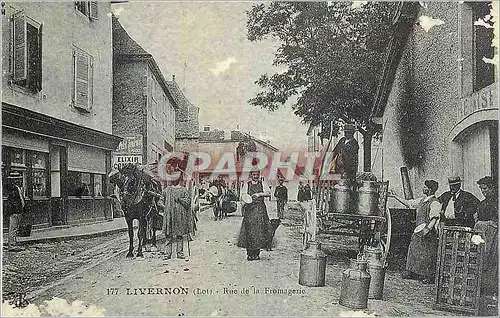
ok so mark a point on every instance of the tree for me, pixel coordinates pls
(331, 53)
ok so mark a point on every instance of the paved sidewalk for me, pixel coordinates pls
(72, 232)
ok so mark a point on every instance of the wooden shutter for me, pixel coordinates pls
(81, 96)
(38, 80)
(19, 46)
(93, 8)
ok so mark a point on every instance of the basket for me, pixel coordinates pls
(458, 275)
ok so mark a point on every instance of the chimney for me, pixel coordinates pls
(206, 128)
(173, 78)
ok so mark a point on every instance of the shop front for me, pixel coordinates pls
(64, 167)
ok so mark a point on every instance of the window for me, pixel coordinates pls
(154, 101)
(26, 59)
(82, 92)
(483, 37)
(33, 167)
(88, 8)
(85, 184)
(39, 174)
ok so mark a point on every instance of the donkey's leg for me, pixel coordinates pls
(141, 235)
(130, 225)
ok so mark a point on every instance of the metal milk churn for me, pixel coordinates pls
(376, 269)
(355, 285)
(342, 198)
(312, 265)
(368, 198)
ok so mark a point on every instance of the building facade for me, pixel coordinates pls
(438, 98)
(56, 107)
(187, 127)
(144, 109)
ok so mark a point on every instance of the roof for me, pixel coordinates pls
(126, 47)
(404, 19)
(123, 43)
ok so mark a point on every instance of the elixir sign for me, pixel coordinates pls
(120, 161)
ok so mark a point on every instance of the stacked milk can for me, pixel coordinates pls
(365, 277)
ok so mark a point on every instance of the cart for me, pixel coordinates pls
(371, 230)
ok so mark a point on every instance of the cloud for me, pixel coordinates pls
(223, 66)
(427, 22)
(358, 4)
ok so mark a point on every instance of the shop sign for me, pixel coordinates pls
(120, 161)
(482, 99)
(130, 145)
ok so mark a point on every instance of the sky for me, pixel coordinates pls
(204, 44)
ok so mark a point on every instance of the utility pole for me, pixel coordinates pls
(184, 78)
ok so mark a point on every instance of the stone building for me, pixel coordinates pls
(438, 98)
(56, 107)
(144, 110)
(187, 128)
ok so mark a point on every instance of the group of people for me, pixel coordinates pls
(455, 207)
(304, 192)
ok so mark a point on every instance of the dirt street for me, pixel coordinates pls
(217, 280)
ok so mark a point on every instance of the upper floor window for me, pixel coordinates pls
(88, 8)
(483, 38)
(476, 42)
(82, 92)
(26, 52)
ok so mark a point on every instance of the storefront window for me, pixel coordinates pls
(39, 174)
(78, 184)
(85, 184)
(98, 190)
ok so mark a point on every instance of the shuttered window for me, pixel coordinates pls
(82, 80)
(26, 59)
(88, 8)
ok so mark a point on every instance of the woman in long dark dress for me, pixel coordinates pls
(255, 227)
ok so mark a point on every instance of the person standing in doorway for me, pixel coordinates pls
(255, 227)
(177, 219)
(281, 195)
(13, 208)
(422, 252)
(458, 206)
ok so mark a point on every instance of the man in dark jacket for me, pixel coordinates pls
(14, 205)
(345, 155)
(281, 195)
(458, 206)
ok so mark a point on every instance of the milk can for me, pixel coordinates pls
(355, 285)
(312, 266)
(368, 198)
(376, 269)
(342, 198)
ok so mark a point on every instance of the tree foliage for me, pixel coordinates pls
(331, 55)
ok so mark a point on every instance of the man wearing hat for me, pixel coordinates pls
(13, 207)
(458, 206)
(281, 195)
(345, 155)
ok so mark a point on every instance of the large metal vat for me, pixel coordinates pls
(342, 198)
(368, 198)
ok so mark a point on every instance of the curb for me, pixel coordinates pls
(60, 238)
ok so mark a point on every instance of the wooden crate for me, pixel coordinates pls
(458, 275)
